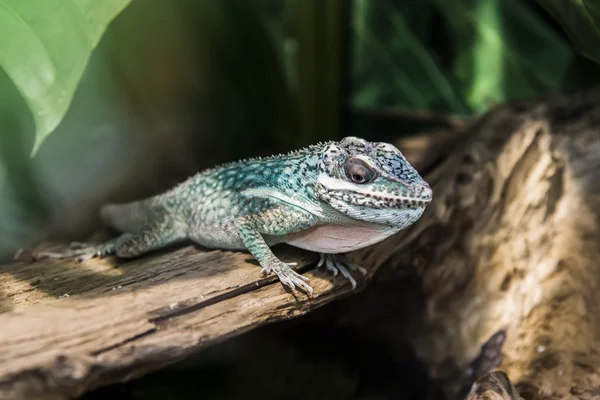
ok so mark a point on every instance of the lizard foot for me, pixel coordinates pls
(336, 263)
(82, 251)
(288, 276)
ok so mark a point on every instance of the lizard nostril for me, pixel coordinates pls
(424, 191)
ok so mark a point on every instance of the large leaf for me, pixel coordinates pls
(44, 48)
(580, 19)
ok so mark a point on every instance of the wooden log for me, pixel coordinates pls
(68, 328)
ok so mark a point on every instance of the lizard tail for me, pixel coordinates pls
(129, 217)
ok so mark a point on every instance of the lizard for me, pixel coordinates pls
(332, 197)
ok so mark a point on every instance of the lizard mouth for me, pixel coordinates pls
(385, 200)
(414, 197)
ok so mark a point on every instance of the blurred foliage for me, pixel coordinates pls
(44, 48)
(458, 57)
(580, 19)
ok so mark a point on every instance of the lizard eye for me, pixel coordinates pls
(358, 171)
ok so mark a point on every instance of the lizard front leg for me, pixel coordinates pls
(154, 235)
(278, 221)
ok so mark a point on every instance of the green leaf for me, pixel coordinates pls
(580, 19)
(44, 48)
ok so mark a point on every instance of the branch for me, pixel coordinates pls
(125, 319)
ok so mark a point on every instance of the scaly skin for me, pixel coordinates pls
(331, 198)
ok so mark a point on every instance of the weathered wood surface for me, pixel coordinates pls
(124, 319)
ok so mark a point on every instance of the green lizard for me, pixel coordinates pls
(330, 198)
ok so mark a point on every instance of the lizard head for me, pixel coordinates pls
(371, 182)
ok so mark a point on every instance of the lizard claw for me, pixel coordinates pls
(337, 264)
(268, 270)
(81, 251)
(289, 277)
